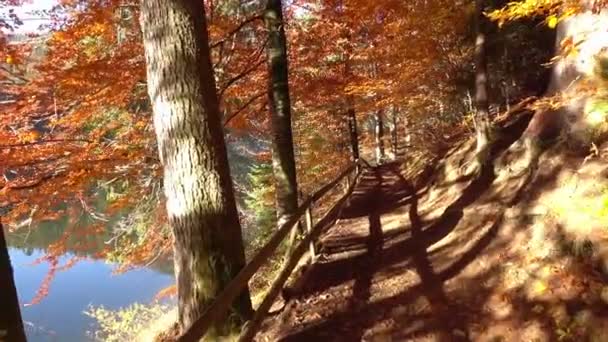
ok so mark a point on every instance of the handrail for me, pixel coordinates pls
(252, 326)
(220, 307)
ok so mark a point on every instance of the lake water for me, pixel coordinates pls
(59, 316)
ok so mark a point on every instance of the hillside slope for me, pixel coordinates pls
(444, 255)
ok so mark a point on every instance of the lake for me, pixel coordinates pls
(59, 316)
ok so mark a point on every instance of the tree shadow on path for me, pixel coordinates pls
(407, 250)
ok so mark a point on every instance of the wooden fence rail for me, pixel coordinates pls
(220, 307)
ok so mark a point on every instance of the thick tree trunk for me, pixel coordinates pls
(352, 128)
(482, 119)
(570, 71)
(11, 325)
(208, 248)
(283, 162)
(379, 134)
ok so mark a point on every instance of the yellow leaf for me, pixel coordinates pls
(552, 21)
(539, 287)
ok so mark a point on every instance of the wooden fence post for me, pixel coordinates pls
(347, 184)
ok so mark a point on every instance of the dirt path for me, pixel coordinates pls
(441, 260)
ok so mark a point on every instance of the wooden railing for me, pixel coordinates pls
(222, 304)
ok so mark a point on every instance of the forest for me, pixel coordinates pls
(329, 170)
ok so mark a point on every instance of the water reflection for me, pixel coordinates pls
(59, 316)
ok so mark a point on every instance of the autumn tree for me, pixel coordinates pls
(208, 248)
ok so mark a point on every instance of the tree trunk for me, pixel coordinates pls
(379, 133)
(283, 162)
(352, 128)
(569, 72)
(11, 325)
(408, 132)
(351, 114)
(208, 248)
(394, 133)
(482, 119)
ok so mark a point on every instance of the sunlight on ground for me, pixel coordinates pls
(158, 326)
(580, 207)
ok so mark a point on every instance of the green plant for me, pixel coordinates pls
(260, 202)
(126, 323)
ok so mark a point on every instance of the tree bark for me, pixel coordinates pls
(283, 161)
(482, 116)
(379, 134)
(352, 128)
(208, 248)
(351, 114)
(394, 133)
(588, 31)
(11, 325)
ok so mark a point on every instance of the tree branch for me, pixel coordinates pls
(15, 77)
(40, 142)
(235, 30)
(246, 71)
(239, 76)
(243, 107)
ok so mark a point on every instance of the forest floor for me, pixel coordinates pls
(442, 255)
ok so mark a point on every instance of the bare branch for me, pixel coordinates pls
(247, 71)
(239, 76)
(17, 79)
(40, 142)
(243, 107)
(235, 30)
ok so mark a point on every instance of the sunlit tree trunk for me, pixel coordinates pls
(11, 325)
(570, 73)
(379, 135)
(482, 119)
(283, 162)
(408, 132)
(202, 213)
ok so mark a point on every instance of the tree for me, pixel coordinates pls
(394, 130)
(578, 72)
(11, 325)
(208, 246)
(284, 166)
(352, 129)
(379, 135)
(482, 119)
